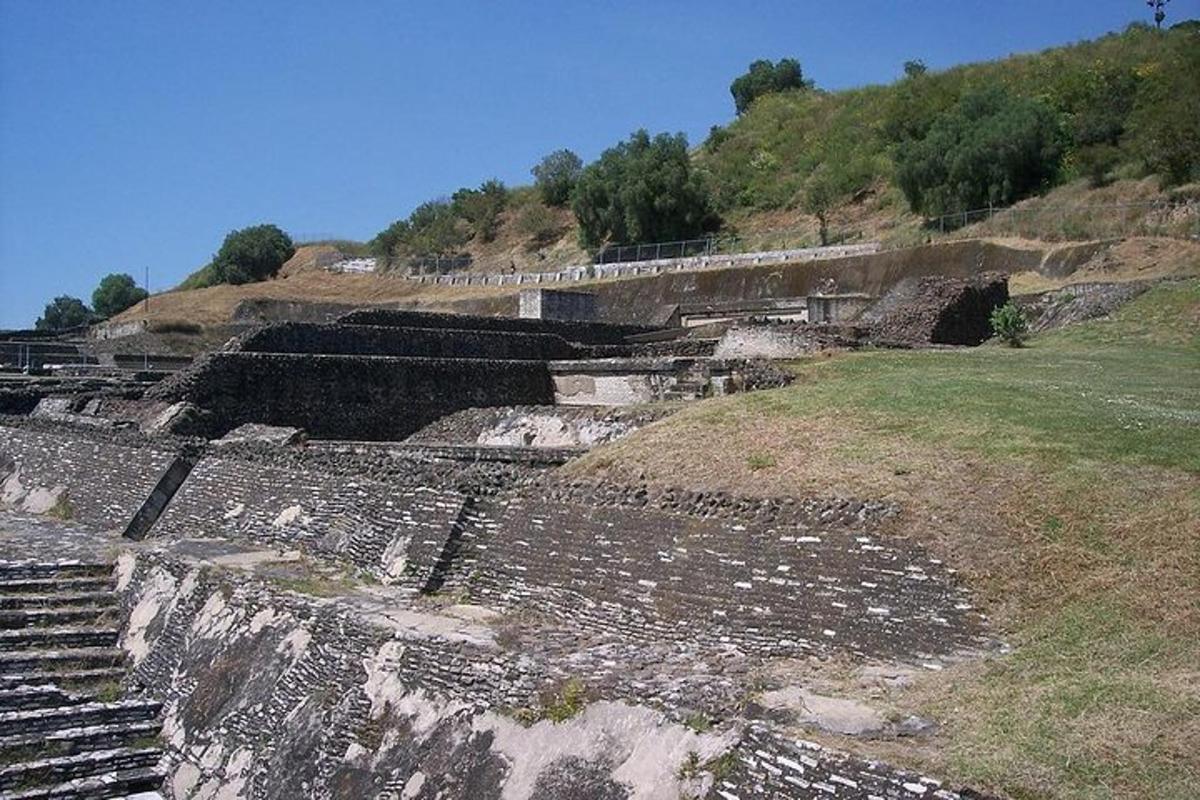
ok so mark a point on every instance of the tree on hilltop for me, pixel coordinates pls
(116, 292)
(990, 148)
(62, 313)
(642, 190)
(481, 207)
(765, 77)
(252, 254)
(556, 175)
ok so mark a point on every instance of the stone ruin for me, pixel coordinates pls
(337, 560)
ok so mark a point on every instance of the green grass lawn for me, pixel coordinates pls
(1119, 390)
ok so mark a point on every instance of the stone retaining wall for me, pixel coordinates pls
(347, 397)
(373, 340)
(583, 332)
(79, 474)
(801, 579)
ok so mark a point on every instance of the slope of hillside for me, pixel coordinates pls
(1104, 94)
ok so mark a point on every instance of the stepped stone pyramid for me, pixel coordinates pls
(66, 731)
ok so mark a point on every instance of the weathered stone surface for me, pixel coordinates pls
(91, 476)
(938, 310)
(348, 397)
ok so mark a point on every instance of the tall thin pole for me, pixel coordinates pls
(146, 286)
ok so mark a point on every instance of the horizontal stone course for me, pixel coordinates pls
(374, 340)
(347, 397)
(812, 580)
(581, 332)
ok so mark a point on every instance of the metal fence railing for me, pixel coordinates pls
(1076, 221)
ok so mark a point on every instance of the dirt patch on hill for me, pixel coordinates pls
(1134, 259)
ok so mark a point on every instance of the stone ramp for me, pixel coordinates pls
(65, 731)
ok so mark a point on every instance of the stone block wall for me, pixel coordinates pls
(373, 340)
(272, 694)
(92, 476)
(802, 579)
(583, 332)
(394, 532)
(557, 304)
(348, 397)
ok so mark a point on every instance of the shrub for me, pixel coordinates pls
(555, 176)
(251, 254)
(116, 293)
(200, 279)
(991, 148)
(1165, 123)
(642, 190)
(433, 229)
(763, 78)
(1009, 324)
(481, 207)
(539, 224)
(62, 313)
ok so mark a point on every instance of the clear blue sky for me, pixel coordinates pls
(137, 134)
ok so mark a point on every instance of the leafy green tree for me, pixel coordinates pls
(481, 207)
(252, 254)
(765, 77)
(432, 229)
(116, 292)
(915, 68)
(642, 190)
(62, 313)
(555, 176)
(1164, 127)
(992, 147)
(821, 193)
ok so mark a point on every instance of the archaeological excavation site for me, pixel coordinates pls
(375, 552)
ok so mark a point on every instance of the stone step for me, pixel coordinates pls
(45, 720)
(67, 678)
(15, 570)
(23, 662)
(23, 746)
(59, 769)
(40, 696)
(106, 787)
(17, 619)
(30, 638)
(106, 599)
(52, 585)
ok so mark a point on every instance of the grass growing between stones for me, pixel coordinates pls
(1063, 479)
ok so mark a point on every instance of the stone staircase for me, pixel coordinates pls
(65, 730)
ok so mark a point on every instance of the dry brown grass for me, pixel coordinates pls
(1137, 258)
(215, 304)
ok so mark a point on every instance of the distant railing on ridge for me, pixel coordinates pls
(649, 267)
